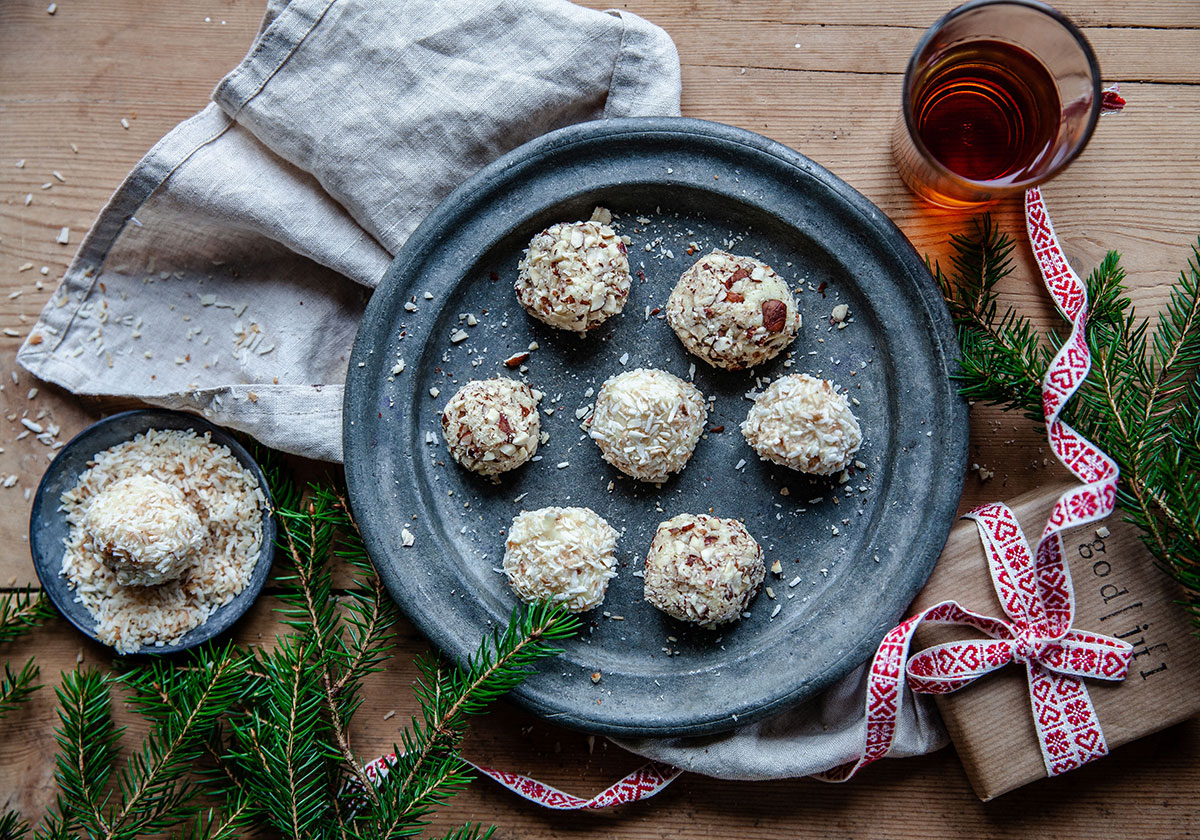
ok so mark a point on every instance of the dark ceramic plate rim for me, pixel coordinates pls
(463, 202)
(47, 563)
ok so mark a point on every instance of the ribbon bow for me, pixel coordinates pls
(1039, 635)
(1034, 587)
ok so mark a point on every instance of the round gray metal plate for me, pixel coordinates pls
(853, 554)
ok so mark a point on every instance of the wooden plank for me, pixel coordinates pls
(118, 71)
(1147, 55)
(71, 77)
(675, 15)
(131, 52)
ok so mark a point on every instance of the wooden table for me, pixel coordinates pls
(821, 77)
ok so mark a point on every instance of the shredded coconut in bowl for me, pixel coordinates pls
(647, 423)
(563, 555)
(802, 422)
(229, 504)
(703, 569)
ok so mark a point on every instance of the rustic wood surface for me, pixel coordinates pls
(821, 77)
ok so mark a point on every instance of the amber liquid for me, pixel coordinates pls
(987, 111)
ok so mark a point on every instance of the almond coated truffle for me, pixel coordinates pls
(733, 312)
(574, 276)
(703, 569)
(492, 425)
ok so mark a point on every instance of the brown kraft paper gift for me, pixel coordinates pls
(1118, 591)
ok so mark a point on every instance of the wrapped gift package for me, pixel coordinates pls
(1119, 591)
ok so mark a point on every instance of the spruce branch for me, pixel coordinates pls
(12, 827)
(21, 612)
(1140, 403)
(16, 688)
(469, 832)
(280, 749)
(154, 789)
(427, 768)
(87, 740)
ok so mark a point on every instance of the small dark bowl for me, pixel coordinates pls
(48, 525)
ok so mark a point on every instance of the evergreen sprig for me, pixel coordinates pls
(1140, 403)
(241, 738)
(427, 769)
(12, 827)
(17, 687)
(21, 612)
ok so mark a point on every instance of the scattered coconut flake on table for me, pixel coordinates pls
(406, 538)
(64, 236)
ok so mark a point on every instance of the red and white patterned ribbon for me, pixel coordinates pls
(1034, 588)
(642, 783)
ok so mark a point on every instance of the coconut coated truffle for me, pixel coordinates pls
(802, 422)
(563, 555)
(144, 530)
(703, 569)
(491, 425)
(733, 312)
(646, 423)
(574, 276)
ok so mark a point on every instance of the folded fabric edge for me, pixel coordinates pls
(275, 44)
(167, 155)
(645, 48)
(270, 415)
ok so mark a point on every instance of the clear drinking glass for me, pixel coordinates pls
(999, 95)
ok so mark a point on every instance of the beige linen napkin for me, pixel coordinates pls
(228, 273)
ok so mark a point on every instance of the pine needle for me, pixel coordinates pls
(16, 688)
(1141, 402)
(21, 612)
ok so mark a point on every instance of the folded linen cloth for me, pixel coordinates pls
(228, 272)
(216, 278)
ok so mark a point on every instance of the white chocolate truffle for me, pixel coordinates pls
(647, 422)
(491, 425)
(703, 569)
(802, 422)
(144, 530)
(563, 555)
(574, 276)
(733, 312)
